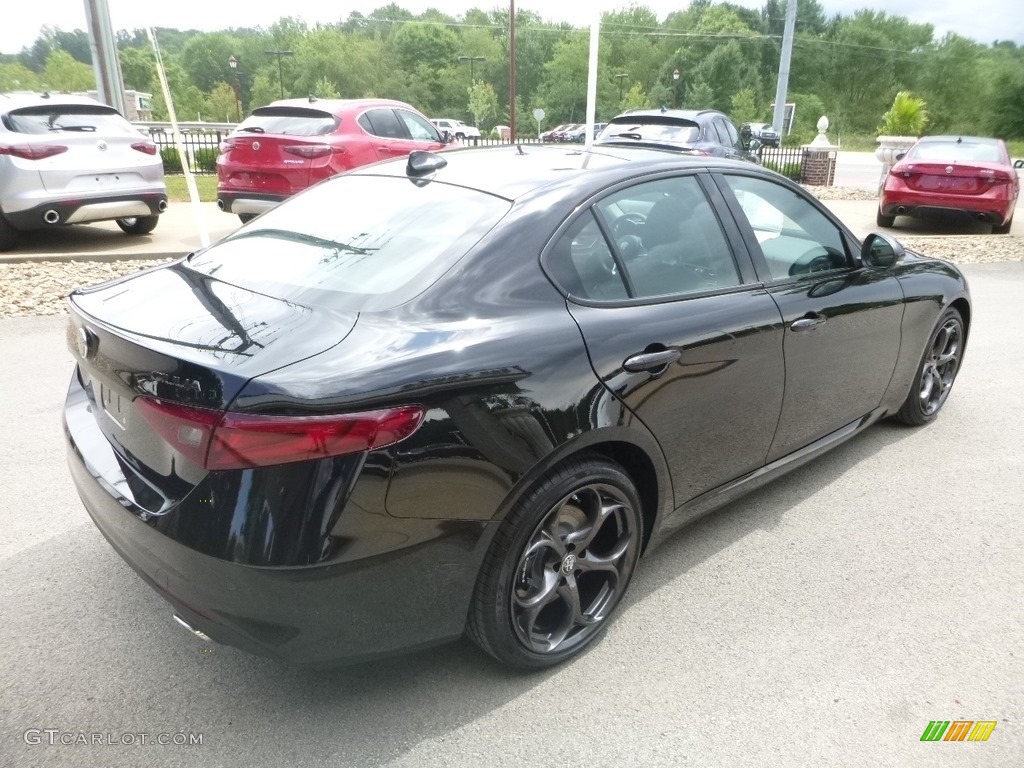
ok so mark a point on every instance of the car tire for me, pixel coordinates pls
(884, 221)
(138, 225)
(245, 218)
(8, 234)
(558, 565)
(936, 372)
(1003, 229)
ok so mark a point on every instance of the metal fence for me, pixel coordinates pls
(789, 161)
(201, 147)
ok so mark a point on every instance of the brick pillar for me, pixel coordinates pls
(819, 166)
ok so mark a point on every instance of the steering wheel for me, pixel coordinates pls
(816, 261)
(628, 224)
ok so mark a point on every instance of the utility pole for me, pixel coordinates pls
(280, 75)
(787, 53)
(105, 64)
(512, 70)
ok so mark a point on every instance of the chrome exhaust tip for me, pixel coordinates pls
(161, 206)
(901, 209)
(190, 628)
(220, 203)
(51, 217)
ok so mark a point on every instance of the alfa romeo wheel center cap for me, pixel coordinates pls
(569, 564)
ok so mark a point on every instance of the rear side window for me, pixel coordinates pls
(290, 121)
(383, 123)
(356, 242)
(68, 118)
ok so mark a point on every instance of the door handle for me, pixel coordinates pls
(808, 321)
(651, 361)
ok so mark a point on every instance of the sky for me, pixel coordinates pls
(984, 21)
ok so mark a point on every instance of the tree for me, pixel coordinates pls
(635, 98)
(63, 73)
(744, 107)
(324, 89)
(221, 105)
(483, 104)
(15, 76)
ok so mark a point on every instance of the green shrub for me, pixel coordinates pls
(790, 170)
(172, 163)
(206, 159)
(906, 117)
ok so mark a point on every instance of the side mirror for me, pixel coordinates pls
(753, 145)
(900, 156)
(881, 251)
(1019, 164)
(447, 137)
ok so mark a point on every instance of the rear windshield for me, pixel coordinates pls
(60, 118)
(946, 151)
(651, 128)
(355, 242)
(292, 121)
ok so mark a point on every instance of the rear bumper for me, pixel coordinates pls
(253, 203)
(923, 205)
(391, 585)
(81, 211)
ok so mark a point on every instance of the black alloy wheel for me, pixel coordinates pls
(937, 371)
(138, 225)
(559, 565)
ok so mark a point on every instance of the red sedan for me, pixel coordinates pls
(292, 144)
(943, 175)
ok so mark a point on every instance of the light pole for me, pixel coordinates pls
(471, 60)
(233, 63)
(675, 88)
(280, 76)
(620, 77)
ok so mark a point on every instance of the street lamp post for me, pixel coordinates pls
(280, 75)
(471, 60)
(233, 63)
(620, 77)
(675, 88)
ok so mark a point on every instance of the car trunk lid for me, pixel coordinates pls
(955, 177)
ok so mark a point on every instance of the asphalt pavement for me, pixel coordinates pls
(824, 620)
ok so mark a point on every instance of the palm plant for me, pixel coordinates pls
(906, 117)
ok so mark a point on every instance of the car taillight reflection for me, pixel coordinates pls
(228, 440)
(33, 151)
(146, 147)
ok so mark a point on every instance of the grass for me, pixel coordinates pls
(177, 190)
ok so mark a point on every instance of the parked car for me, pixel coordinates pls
(578, 135)
(385, 413)
(763, 132)
(289, 145)
(563, 134)
(457, 128)
(704, 132)
(71, 160)
(549, 135)
(952, 175)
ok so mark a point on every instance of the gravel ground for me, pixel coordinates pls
(39, 288)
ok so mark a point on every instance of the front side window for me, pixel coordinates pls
(418, 128)
(796, 238)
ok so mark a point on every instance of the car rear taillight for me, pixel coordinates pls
(230, 440)
(33, 151)
(309, 150)
(227, 145)
(147, 147)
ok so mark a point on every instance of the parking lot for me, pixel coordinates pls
(824, 620)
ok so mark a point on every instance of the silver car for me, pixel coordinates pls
(71, 160)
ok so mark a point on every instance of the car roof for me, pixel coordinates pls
(682, 114)
(955, 139)
(337, 105)
(513, 171)
(12, 101)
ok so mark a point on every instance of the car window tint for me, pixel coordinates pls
(732, 135)
(651, 128)
(669, 238)
(383, 123)
(581, 263)
(418, 128)
(796, 238)
(355, 242)
(68, 118)
(289, 121)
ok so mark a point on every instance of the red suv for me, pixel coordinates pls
(292, 144)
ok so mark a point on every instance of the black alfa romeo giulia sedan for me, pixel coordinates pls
(466, 392)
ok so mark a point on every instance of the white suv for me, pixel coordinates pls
(72, 160)
(456, 128)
